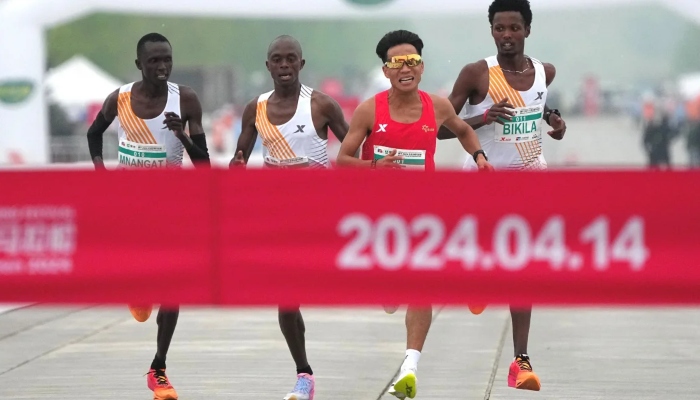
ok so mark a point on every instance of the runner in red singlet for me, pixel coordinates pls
(400, 128)
(389, 134)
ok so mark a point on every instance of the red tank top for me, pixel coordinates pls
(419, 135)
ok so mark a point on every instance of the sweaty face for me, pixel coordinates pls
(405, 78)
(156, 61)
(509, 32)
(285, 62)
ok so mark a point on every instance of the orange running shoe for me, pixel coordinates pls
(141, 313)
(476, 309)
(521, 375)
(160, 385)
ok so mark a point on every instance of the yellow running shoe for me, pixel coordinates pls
(405, 386)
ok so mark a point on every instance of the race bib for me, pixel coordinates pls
(413, 159)
(296, 162)
(139, 155)
(524, 126)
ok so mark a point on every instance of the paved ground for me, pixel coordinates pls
(97, 352)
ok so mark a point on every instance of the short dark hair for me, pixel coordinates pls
(150, 37)
(395, 38)
(281, 38)
(521, 6)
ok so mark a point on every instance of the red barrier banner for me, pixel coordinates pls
(349, 237)
(101, 237)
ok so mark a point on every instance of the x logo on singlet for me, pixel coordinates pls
(539, 96)
(300, 129)
(382, 128)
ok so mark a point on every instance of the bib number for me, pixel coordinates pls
(412, 159)
(296, 162)
(524, 126)
(139, 155)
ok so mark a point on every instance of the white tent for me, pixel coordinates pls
(689, 85)
(77, 83)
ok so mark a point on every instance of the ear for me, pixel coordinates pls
(386, 71)
(138, 64)
(303, 62)
(267, 65)
(422, 67)
(527, 31)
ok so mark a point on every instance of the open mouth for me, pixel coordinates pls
(407, 79)
(285, 77)
(162, 77)
(507, 46)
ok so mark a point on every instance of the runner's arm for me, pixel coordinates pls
(361, 123)
(103, 120)
(462, 89)
(555, 121)
(249, 133)
(334, 115)
(196, 142)
(463, 131)
(550, 73)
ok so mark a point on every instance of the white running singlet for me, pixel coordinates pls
(148, 143)
(516, 145)
(295, 143)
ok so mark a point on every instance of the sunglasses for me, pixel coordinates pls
(412, 60)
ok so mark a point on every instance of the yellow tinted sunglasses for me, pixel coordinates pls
(412, 60)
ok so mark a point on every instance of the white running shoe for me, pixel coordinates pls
(405, 385)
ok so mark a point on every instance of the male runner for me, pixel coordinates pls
(293, 121)
(509, 89)
(152, 117)
(399, 129)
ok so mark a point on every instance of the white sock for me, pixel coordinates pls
(411, 360)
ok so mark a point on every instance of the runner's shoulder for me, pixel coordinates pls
(550, 72)
(110, 106)
(440, 103)
(367, 106)
(474, 69)
(186, 92)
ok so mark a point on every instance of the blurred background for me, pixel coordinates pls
(628, 72)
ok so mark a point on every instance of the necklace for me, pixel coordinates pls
(527, 60)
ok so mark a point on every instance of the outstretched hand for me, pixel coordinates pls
(558, 125)
(389, 161)
(238, 161)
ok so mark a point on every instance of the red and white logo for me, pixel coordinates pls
(37, 240)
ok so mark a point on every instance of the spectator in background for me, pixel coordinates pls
(693, 144)
(657, 138)
(693, 138)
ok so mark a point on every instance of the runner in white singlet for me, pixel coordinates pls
(293, 121)
(294, 143)
(147, 143)
(514, 144)
(152, 117)
(505, 99)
